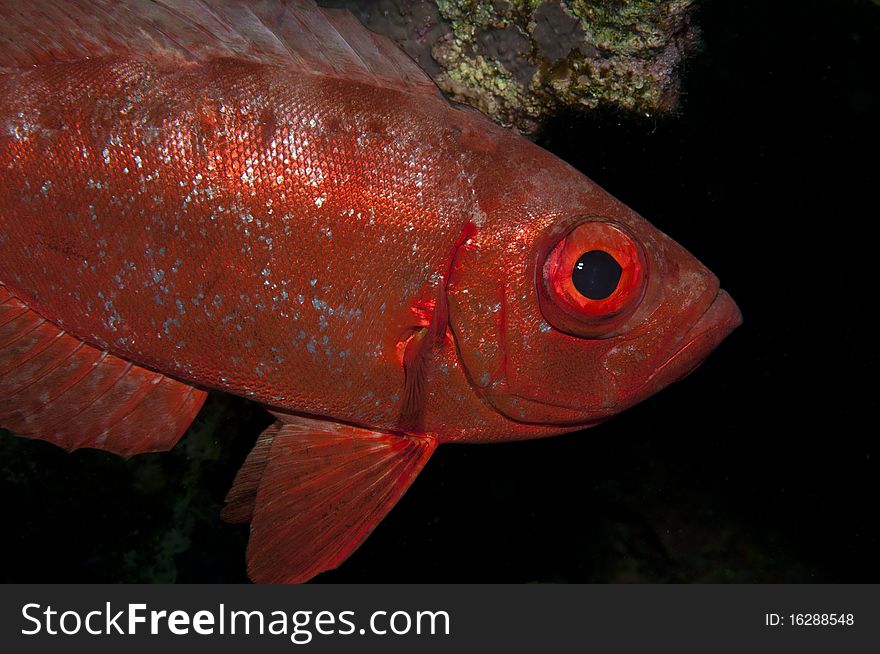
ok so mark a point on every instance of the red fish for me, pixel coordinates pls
(267, 199)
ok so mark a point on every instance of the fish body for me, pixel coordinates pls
(240, 228)
(381, 269)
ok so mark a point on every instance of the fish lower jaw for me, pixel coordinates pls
(721, 317)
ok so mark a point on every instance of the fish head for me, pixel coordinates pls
(567, 307)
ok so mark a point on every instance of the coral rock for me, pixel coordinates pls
(520, 61)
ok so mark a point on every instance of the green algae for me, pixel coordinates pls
(623, 53)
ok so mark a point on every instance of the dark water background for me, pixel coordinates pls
(762, 466)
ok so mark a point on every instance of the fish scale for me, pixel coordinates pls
(183, 236)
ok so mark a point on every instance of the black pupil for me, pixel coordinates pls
(596, 274)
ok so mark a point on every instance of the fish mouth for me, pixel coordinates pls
(719, 319)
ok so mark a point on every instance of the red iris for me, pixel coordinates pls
(564, 300)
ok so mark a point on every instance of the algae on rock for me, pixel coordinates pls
(519, 61)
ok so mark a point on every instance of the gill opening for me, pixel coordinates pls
(420, 346)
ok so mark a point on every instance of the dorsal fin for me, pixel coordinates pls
(294, 33)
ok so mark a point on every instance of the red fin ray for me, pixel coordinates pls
(75, 404)
(315, 490)
(417, 359)
(243, 494)
(19, 327)
(23, 350)
(9, 315)
(23, 368)
(59, 389)
(29, 399)
(293, 33)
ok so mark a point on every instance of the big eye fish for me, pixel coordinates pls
(267, 199)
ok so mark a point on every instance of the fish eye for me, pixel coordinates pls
(592, 280)
(596, 274)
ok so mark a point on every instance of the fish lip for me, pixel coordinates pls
(720, 318)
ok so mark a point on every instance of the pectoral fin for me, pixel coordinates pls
(321, 489)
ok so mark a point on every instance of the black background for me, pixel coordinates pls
(762, 466)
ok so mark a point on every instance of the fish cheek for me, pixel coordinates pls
(476, 311)
(555, 378)
(512, 358)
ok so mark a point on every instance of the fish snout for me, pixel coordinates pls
(716, 323)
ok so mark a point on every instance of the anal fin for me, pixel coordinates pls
(56, 388)
(321, 489)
